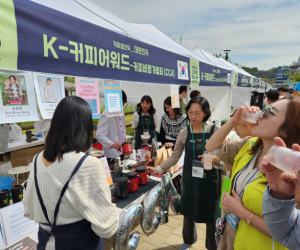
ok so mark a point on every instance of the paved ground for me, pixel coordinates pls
(166, 237)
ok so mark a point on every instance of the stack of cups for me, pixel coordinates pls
(4, 198)
(17, 193)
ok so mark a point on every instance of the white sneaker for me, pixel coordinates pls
(185, 246)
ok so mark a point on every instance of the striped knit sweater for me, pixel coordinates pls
(87, 197)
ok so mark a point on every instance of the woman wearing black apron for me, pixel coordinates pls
(67, 191)
(200, 193)
(145, 119)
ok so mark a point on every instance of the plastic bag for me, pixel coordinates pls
(4, 137)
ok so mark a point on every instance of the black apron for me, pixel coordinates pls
(145, 122)
(200, 197)
(78, 235)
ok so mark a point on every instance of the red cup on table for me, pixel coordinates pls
(141, 171)
(134, 179)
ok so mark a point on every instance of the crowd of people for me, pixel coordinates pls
(261, 199)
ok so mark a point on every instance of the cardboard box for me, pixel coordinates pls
(19, 158)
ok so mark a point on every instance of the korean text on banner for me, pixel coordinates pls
(87, 89)
(113, 98)
(55, 48)
(49, 91)
(195, 72)
(107, 171)
(175, 96)
(236, 78)
(17, 98)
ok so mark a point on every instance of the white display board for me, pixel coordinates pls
(17, 98)
(14, 224)
(1, 241)
(49, 91)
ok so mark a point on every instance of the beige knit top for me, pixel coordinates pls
(87, 197)
(179, 147)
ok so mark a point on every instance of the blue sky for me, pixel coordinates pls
(261, 33)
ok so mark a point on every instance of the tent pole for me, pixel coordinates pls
(187, 94)
(230, 101)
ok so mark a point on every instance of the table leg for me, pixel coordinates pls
(17, 179)
(23, 177)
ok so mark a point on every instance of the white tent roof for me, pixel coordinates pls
(211, 58)
(93, 13)
(236, 68)
(167, 42)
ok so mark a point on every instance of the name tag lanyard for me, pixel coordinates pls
(194, 140)
(250, 180)
(233, 220)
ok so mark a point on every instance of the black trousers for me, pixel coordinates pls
(189, 233)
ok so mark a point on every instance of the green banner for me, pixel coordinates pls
(195, 72)
(8, 34)
(236, 78)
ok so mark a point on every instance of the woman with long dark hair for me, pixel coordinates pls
(67, 191)
(247, 229)
(200, 195)
(172, 122)
(145, 119)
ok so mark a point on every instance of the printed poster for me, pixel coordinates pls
(14, 224)
(49, 91)
(228, 78)
(175, 96)
(87, 89)
(107, 171)
(17, 98)
(113, 98)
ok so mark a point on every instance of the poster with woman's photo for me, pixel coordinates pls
(17, 99)
(49, 92)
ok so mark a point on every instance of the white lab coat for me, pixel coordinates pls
(111, 130)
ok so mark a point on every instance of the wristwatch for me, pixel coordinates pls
(248, 221)
(221, 164)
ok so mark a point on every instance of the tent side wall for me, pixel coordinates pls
(218, 97)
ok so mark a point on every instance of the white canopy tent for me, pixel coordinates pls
(218, 97)
(85, 10)
(239, 96)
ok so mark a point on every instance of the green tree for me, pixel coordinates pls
(294, 77)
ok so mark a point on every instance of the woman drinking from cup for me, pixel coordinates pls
(245, 228)
(145, 121)
(172, 122)
(280, 197)
(200, 188)
(67, 191)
